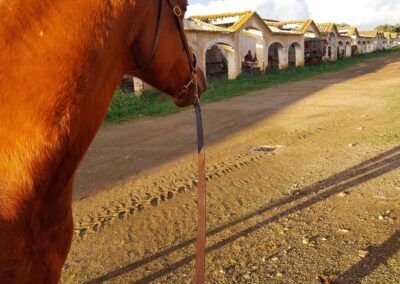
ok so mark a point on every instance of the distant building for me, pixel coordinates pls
(376, 37)
(233, 43)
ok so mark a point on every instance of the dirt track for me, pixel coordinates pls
(292, 217)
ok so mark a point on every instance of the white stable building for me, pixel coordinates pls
(238, 42)
(234, 43)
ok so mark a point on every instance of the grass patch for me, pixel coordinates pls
(126, 105)
(153, 103)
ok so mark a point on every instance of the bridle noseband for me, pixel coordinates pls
(178, 13)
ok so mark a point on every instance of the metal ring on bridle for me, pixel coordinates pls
(186, 87)
(177, 11)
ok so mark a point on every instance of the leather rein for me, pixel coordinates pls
(192, 83)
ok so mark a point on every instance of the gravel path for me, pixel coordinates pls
(324, 208)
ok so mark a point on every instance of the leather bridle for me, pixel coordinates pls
(192, 83)
(201, 227)
(178, 13)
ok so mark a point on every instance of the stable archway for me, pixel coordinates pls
(359, 47)
(295, 55)
(276, 57)
(216, 61)
(376, 45)
(340, 50)
(364, 47)
(330, 47)
(220, 59)
(384, 45)
(252, 49)
(348, 49)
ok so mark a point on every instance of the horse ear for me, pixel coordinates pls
(185, 3)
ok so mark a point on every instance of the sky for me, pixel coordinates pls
(365, 14)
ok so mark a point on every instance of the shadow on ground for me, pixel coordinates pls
(120, 153)
(318, 192)
(378, 255)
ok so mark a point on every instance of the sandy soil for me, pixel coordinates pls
(323, 209)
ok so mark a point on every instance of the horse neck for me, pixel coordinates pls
(64, 60)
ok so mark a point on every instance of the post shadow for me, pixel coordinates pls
(378, 255)
(318, 192)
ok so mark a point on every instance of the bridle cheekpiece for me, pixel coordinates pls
(177, 11)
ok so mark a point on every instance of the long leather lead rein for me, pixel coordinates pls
(201, 229)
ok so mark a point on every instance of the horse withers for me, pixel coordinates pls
(60, 63)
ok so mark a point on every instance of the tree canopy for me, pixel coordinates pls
(388, 28)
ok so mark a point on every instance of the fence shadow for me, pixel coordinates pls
(378, 255)
(318, 192)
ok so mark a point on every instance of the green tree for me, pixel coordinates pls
(388, 28)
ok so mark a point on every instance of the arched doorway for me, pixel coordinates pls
(359, 47)
(220, 60)
(252, 47)
(216, 61)
(295, 55)
(376, 45)
(340, 50)
(276, 56)
(364, 47)
(313, 49)
(330, 47)
(348, 49)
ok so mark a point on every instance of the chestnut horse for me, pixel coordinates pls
(60, 63)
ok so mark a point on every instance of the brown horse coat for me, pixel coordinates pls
(60, 62)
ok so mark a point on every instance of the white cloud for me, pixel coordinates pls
(364, 14)
(273, 9)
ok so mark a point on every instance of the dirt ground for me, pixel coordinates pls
(325, 208)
